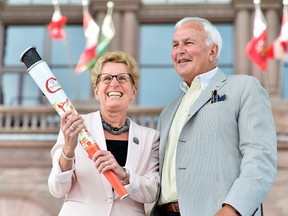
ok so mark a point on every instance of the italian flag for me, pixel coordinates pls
(91, 31)
(107, 31)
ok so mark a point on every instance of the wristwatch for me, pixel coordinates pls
(126, 176)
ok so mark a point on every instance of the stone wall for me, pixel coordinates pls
(24, 170)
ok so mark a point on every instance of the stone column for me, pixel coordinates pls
(2, 35)
(242, 36)
(273, 76)
(99, 18)
(130, 33)
(116, 43)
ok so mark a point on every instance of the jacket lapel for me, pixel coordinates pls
(216, 83)
(166, 126)
(94, 126)
(98, 131)
(134, 143)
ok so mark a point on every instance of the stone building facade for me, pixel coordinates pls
(25, 164)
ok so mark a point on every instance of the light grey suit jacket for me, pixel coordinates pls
(226, 151)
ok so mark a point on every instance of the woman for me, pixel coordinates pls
(130, 150)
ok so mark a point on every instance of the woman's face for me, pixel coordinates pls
(112, 94)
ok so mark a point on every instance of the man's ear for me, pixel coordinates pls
(213, 52)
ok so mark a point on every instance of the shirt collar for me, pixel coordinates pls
(204, 80)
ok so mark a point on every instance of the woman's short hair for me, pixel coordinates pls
(117, 57)
(213, 35)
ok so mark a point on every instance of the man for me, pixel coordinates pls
(218, 144)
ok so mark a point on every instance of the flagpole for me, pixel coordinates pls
(257, 3)
(264, 75)
(110, 6)
(281, 73)
(84, 5)
(266, 81)
(68, 53)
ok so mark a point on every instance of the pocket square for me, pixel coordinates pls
(217, 98)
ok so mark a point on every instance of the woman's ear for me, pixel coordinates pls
(134, 92)
(95, 90)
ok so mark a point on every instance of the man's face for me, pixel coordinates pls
(190, 54)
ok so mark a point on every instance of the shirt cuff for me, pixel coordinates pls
(59, 175)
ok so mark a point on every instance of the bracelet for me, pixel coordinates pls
(66, 157)
(126, 176)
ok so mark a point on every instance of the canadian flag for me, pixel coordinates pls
(278, 49)
(257, 47)
(57, 23)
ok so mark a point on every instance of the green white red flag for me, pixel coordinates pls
(107, 31)
(91, 31)
(257, 47)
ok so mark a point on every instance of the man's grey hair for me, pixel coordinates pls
(213, 35)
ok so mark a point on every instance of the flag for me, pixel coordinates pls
(55, 27)
(257, 47)
(278, 49)
(91, 31)
(107, 31)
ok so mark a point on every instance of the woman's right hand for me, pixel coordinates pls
(70, 126)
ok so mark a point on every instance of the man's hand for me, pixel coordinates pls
(227, 210)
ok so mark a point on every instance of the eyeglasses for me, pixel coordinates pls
(107, 78)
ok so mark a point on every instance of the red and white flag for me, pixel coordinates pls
(278, 49)
(91, 31)
(57, 23)
(257, 47)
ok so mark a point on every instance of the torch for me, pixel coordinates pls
(50, 87)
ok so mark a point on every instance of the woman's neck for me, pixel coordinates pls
(109, 136)
(115, 119)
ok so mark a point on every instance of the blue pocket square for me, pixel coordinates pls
(217, 98)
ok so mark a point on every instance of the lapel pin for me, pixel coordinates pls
(135, 140)
(214, 96)
(217, 98)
